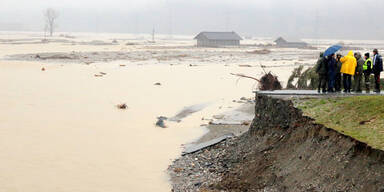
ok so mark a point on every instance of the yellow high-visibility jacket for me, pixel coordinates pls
(349, 64)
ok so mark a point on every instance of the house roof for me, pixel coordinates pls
(219, 36)
(289, 40)
(280, 39)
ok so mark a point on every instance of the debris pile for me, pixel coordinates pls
(269, 82)
(200, 170)
(261, 52)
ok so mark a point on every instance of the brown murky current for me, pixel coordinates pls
(60, 129)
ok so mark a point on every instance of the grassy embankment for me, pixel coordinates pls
(359, 117)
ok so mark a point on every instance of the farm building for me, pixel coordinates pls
(281, 42)
(217, 39)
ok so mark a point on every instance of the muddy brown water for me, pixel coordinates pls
(60, 129)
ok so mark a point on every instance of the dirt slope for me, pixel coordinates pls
(284, 151)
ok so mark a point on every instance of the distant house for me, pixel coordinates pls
(281, 42)
(217, 39)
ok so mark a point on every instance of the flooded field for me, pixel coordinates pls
(60, 129)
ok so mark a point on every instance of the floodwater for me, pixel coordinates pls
(60, 129)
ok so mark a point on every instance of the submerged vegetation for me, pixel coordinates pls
(300, 79)
(359, 117)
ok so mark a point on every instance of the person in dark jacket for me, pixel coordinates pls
(331, 61)
(338, 74)
(377, 69)
(322, 70)
(358, 77)
(367, 70)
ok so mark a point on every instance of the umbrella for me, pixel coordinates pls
(331, 50)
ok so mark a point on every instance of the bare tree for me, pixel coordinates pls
(50, 16)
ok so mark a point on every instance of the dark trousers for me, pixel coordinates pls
(377, 82)
(322, 83)
(357, 82)
(367, 81)
(338, 82)
(331, 82)
(347, 81)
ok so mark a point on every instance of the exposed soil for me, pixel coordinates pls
(269, 82)
(282, 151)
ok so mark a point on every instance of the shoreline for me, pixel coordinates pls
(281, 150)
(180, 181)
(87, 107)
(80, 85)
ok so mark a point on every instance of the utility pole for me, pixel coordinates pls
(153, 34)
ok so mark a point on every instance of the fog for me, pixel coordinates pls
(339, 19)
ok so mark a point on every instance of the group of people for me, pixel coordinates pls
(335, 70)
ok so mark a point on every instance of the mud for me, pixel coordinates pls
(284, 151)
(269, 82)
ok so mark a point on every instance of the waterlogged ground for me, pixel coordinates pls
(60, 129)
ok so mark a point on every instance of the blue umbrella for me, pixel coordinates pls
(331, 50)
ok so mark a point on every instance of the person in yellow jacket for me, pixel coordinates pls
(348, 68)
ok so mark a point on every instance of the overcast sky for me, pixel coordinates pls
(357, 19)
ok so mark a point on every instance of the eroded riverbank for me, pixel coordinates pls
(282, 151)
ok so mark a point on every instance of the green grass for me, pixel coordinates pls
(347, 115)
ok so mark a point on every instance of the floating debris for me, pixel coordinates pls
(261, 52)
(158, 84)
(245, 65)
(129, 43)
(161, 122)
(122, 106)
(218, 116)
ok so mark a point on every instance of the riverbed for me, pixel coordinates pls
(60, 129)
